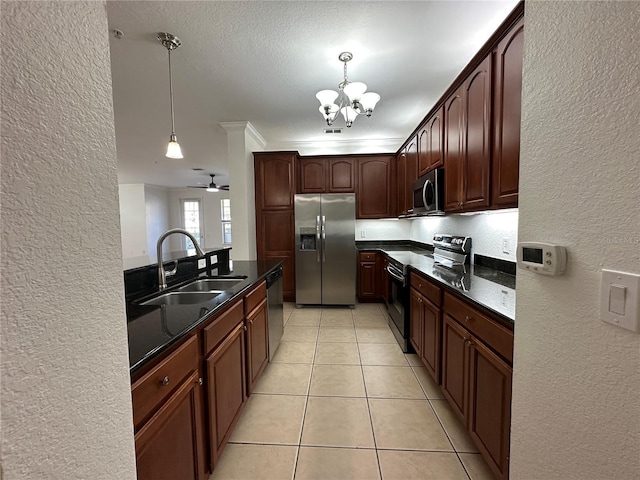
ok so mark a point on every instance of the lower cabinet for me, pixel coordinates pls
(477, 382)
(226, 389)
(426, 322)
(257, 343)
(370, 277)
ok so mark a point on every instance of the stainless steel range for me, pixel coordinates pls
(451, 256)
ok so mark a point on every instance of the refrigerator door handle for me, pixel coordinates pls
(318, 245)
(324, 237)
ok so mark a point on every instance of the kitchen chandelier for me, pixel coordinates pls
(352, 99)
(171, 42)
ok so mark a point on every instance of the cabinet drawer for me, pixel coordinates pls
(367, 256)
(489, 331)
(426, 288)
(222, 326)
(254, 297)
(149, 391)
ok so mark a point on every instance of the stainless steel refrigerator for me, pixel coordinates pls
(325, 249)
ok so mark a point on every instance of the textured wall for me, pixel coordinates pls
(133, 224)
(66, 403)
(486, 230)
(576, 391)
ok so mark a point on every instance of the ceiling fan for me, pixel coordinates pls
(212, 187)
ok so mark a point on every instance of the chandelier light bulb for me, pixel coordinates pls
(326, 97)
(368, 102)
(349, 115)
(355, 91)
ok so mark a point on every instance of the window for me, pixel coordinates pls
(191, 222)
(225, 215)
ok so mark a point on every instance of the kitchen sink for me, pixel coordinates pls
(211, 284)
(183, 298)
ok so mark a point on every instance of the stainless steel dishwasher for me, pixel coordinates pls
(276, 316)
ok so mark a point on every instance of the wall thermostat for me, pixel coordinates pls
(542, 258)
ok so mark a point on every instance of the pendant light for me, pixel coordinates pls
(171, 42)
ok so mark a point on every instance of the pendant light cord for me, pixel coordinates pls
(171, 94)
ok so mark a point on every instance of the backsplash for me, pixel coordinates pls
(487, 230)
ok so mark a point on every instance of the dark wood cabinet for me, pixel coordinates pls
(313, 175)
(506, 117)
(327, 174)
(477, 137)
(467, 142)
(257, 343)
(455, 366)
(430, 143)
(431, 338)
(490, 406)
(341, 175)
(171, 444)
(226, 389)
(369, 276)
(375, 187)
(402, 184)
(416, 320)
(411, 173)
(275, 187)
(454, 151)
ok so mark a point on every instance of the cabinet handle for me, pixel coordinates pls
(200, 381)
(245, 328)
(467, 318)
(165, 381)
(419, 300)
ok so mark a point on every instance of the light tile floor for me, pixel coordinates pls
(341, 401)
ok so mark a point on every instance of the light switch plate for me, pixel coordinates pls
(620, 299)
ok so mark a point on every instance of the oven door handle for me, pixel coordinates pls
(398, 277)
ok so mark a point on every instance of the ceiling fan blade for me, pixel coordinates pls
(196, 186)
(224, 187)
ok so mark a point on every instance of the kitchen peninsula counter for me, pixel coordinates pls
(152, 329)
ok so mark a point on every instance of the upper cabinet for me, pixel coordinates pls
(376, 180)
(411, 173)
(430, 143)
(275, 180)
(402, 182)
(453, 150)
(506, 114)
(327, 175)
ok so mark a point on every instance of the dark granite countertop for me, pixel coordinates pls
(152, 329)
(487, 287)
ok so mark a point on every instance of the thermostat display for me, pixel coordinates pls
(542, 258)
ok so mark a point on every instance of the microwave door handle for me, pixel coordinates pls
(424, 194)
(324, 238)
(318, 238)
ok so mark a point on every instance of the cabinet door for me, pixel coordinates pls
(375, 178)
(341, 176)
(275, 180)
(490, 406)
(477, 151)
(436, 135)
(171, 444)
(453, 151)
(412, 173)
(402, 184)
(454, 366)
(416, 320)
(257, 344)
(431, 338)
(226, 389)
(275, 240)
(367, 280)
(506, 117)
(423, 149)
(313, 175)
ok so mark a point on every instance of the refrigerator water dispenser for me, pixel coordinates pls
(307, 238)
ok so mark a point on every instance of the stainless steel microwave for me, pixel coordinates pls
(428, 193)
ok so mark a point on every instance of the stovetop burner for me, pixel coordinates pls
(457, 276)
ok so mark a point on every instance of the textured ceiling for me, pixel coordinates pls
(264, 61)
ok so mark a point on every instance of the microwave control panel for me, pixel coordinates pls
(544, 258)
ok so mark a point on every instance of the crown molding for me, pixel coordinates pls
(245, 127)
(330, 147)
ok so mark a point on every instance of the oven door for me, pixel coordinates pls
(398, 307)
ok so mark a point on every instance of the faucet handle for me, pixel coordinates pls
(173, 271)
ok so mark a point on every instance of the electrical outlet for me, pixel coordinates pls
(363, 234)
(202, 263)
(505, 245)
(505, 297)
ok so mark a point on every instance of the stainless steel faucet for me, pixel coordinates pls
(162, 274)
